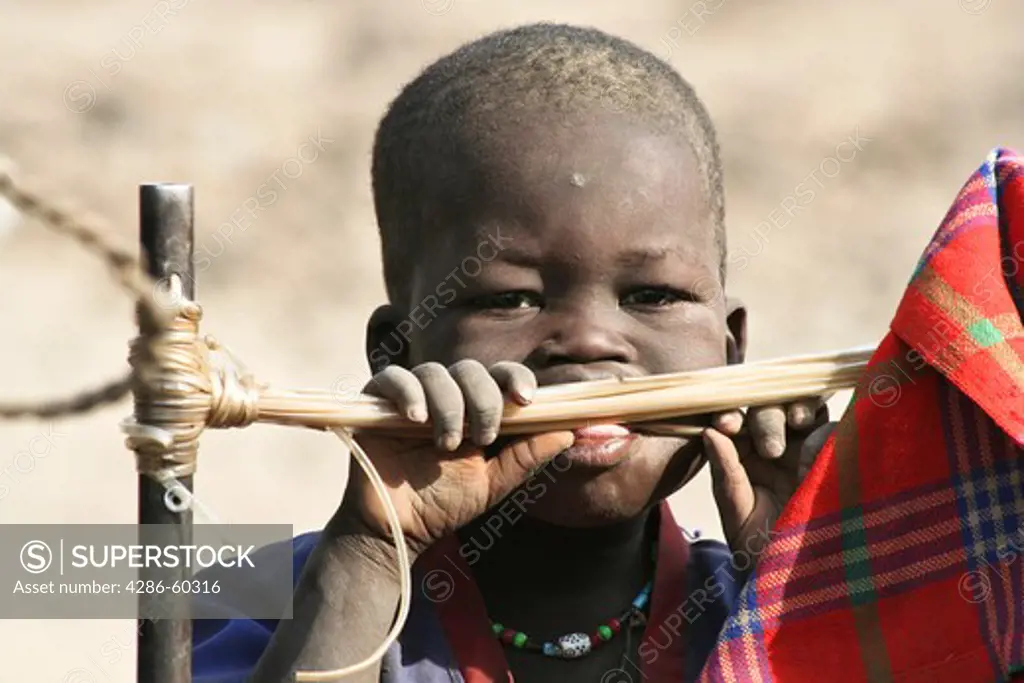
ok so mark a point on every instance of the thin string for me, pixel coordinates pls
(404, 571)
(125, 268)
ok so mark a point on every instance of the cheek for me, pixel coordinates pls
(486, 341)
(695, 343)
(492, 343)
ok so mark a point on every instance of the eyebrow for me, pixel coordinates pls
(636, 258)
(518, 257)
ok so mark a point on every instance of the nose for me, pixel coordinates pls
(586, 335)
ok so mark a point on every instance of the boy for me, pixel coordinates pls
(551, 210)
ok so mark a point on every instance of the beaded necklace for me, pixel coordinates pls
(576, 645)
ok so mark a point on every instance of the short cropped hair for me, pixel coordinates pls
(459, 101)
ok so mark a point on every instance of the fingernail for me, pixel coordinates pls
(706, 438)
(774, 447)
(709, 447)
(450, 441)
(488, 437)
(730, 422)
(800, 415)
(524, 396)
(417, 414)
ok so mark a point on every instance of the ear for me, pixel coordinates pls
(384, 345)
(736, 325)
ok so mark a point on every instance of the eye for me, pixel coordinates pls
(506, 301)
(655, 297)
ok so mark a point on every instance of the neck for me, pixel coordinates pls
(531, 568)
(533, 548)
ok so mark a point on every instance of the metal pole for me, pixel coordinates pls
(166, 217)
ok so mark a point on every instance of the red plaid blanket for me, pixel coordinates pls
(901, 558)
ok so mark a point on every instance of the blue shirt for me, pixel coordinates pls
(695, 588)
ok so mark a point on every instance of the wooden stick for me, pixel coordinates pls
(165, 645)
(636, 400)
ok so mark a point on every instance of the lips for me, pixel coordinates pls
(601, 432)
(597, 446)
(600, 446)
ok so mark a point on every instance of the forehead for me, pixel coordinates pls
(596, 188)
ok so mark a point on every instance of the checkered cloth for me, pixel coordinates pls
(901, 558)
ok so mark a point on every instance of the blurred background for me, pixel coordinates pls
(102, 96)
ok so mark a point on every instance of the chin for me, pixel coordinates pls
(598, 484)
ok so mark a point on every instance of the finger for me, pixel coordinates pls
(733, 491)
(729, 423)
(812, 447)
(768, 430)
(482, 398)
(516, 380)
(517, 461)
(801, 414)
(403, 389)
(445, 404)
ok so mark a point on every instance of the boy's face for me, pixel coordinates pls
(591, 253)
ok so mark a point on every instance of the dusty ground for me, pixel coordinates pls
(221, 94)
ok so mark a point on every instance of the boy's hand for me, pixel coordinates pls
(768, 425)
(753, 476)
(439, 486)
